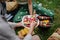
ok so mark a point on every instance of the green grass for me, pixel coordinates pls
(44, 33)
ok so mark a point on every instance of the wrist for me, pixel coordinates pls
(31, 30)
(18, 24)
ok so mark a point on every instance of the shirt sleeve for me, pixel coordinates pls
(15, 38)
(12, 24)
(28, 37)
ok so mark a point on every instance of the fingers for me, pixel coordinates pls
(33, 24)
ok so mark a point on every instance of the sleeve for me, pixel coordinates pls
(7, 32)
(4, 8)
(15, 38)
(28, 37)
(12, 24)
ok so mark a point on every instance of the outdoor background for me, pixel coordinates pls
(54, 5)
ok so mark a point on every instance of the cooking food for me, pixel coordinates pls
(45, 23)
(28, 19)
(43, 17)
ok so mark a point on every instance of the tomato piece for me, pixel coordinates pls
(25, 20)
(32, 19)
(28, 25)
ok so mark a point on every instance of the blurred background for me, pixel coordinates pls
(55, 6)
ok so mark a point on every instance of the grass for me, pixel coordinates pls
(44, 33)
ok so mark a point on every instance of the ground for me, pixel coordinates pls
(44, 33)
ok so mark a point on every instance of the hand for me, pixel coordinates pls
(19, 24)
(32, 25)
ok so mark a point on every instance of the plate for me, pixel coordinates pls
(26, 20)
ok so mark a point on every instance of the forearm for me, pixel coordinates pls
(30, 6)
(28, 37)
(31, 30)
(13, 25)
(32, 26)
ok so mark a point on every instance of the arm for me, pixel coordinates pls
(6, 32)
(32, 26)
(29, 35)
(13, 25)
(30, 6)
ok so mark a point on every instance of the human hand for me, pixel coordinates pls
(19, 24)
(32, 25)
